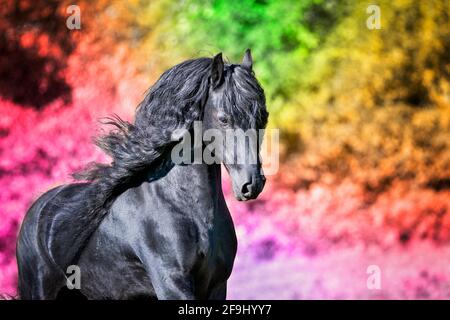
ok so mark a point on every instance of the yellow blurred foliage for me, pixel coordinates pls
(375, 104)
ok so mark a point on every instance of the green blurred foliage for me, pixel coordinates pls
(276, 31)
(281, 34)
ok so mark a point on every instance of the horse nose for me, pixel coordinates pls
(247, 189)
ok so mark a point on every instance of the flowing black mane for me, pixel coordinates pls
(175, 101)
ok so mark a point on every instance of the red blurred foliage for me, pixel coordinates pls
(324, 217)
(34, 51)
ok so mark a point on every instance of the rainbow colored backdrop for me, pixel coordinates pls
(364, 114)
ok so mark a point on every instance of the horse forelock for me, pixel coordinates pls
(243, 98)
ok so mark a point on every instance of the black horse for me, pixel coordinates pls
(144, 226)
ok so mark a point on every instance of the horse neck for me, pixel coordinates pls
(204, 178)
(199, 180)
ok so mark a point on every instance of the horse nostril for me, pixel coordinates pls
(246, 189)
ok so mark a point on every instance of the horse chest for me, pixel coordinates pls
(219, 250)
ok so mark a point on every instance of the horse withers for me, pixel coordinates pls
(145, 226)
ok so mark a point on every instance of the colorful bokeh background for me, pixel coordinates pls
(364, 118)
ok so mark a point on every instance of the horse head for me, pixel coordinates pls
(236, 111)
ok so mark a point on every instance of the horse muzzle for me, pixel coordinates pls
(250, 189)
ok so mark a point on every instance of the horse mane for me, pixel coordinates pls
(175, 101)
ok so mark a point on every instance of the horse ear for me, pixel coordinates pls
(247, 61)
(217, 70)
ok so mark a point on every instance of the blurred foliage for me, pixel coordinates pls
(374, 105)
(277, 32)
(33, 52)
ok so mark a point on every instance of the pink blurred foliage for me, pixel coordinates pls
(318, 243)
(325, 217)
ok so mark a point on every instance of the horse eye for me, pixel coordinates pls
(222, 119)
